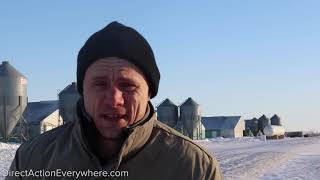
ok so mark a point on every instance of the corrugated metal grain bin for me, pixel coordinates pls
(13, 98)
(68, 99)
(167, 113)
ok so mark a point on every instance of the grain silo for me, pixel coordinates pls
(167, 113)
(13, 98)
(275, 120)
(68, 99)
(252, 125)
(263, 122)
(190, 117)
(255, 126)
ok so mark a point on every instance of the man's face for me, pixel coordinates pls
(115, 95)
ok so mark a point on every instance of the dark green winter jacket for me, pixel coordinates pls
(151, 151)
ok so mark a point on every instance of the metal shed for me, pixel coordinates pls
(224, 126)
(40, 117)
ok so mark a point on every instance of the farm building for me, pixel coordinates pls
(273, 125)
(223, 126)
(38, 118)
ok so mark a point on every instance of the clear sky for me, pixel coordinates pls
(234, 57)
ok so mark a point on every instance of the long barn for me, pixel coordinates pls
(223, 126)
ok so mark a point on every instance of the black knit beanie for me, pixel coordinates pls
(117, 40)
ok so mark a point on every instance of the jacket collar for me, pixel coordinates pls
(137, 134)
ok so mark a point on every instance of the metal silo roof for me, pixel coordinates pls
(166, 102)
(189, 102)
(275, 120)
(263, 117)
(275, 117)
(70, 89)
(7, 70)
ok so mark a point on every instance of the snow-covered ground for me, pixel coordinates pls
(245, 158)
(249, 158)
(7, 152)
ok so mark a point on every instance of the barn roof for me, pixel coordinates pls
(35, 112)
(220, 122)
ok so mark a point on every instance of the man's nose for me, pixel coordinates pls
(114, 97)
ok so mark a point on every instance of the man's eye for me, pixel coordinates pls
(128, 86)
(100, 84)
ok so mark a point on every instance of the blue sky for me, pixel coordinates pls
(237, 57)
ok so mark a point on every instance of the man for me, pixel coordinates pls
(116, 127)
